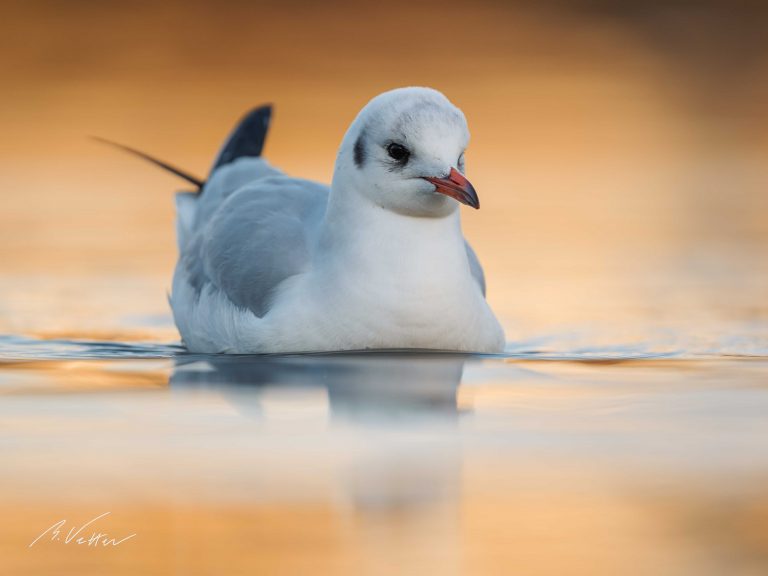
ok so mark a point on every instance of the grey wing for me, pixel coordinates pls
(475, 267)
(258, 237)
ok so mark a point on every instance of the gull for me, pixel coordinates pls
(269, 263)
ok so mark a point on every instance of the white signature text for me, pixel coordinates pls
(78, 536)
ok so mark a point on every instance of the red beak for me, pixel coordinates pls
(456, 186)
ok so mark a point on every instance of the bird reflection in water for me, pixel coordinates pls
(375, 385)
(387, 430)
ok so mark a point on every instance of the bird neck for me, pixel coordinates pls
(357, 232)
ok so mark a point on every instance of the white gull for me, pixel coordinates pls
(273, 264)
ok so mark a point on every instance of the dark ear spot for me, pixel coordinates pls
(359, 151)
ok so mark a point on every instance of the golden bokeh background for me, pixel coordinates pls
(617, 146)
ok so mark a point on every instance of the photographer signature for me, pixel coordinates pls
(76, 535)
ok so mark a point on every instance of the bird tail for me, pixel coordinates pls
(186, 214)
(246, 140)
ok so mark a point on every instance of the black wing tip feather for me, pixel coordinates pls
(164, 165)
(248, 137)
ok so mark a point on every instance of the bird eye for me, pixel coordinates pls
(398, 152)
(460, 163)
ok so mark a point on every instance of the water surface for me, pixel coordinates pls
(577, 462)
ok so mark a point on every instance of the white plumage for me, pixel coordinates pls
(270, 263)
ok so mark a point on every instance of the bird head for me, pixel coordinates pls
(405, 153)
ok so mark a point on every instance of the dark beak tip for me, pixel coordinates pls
(471, 198)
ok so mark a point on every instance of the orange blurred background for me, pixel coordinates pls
(617, 146)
